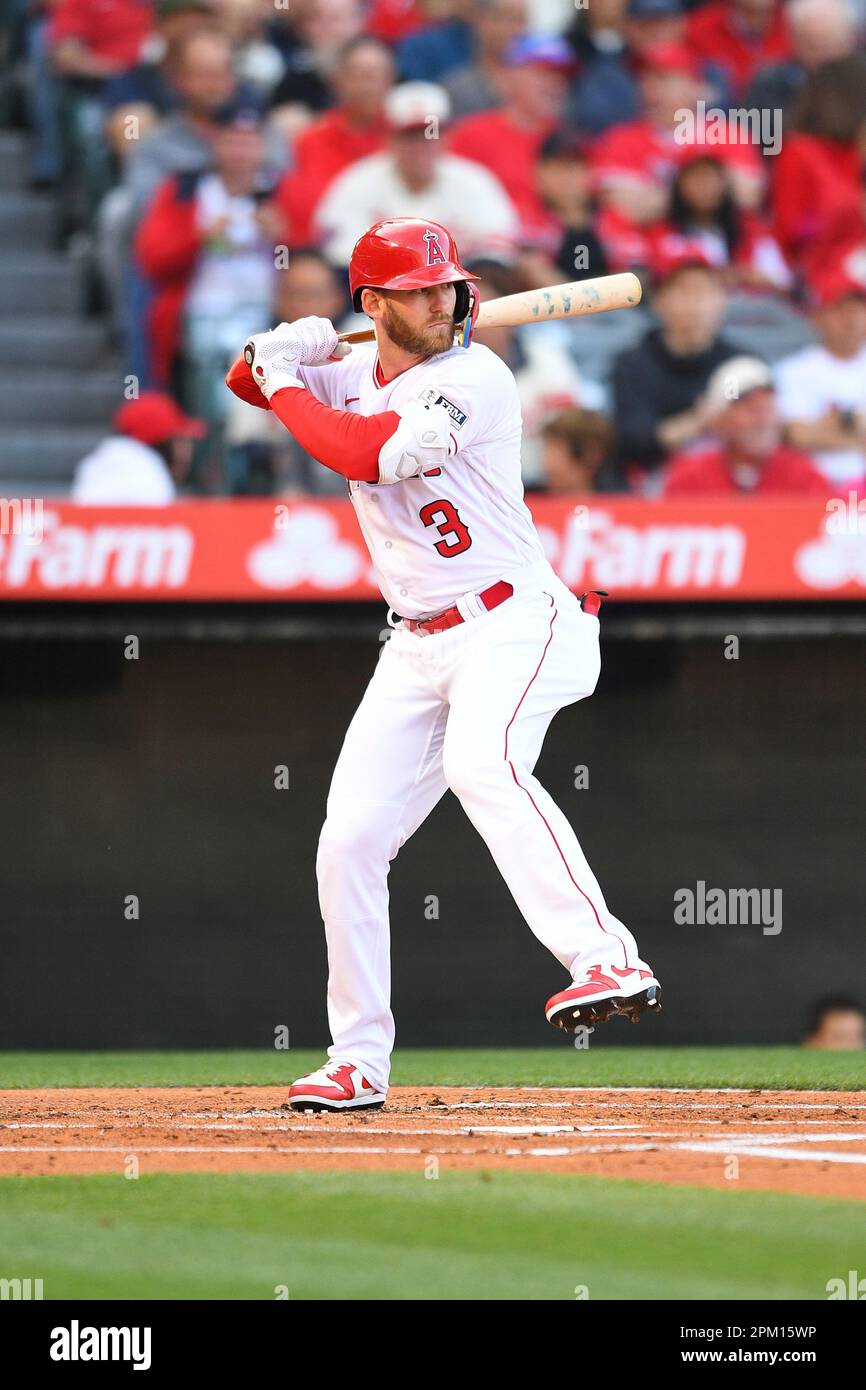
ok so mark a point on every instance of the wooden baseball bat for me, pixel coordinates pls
(573, 300)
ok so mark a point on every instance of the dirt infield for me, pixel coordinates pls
(797, 1141)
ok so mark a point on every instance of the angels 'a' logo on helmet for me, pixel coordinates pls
(435, 254)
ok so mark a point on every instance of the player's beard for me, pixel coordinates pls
(420, 342)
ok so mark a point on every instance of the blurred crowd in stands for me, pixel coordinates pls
(213, 162)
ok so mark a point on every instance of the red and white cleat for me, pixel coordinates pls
(335, 1086)
(602, 992)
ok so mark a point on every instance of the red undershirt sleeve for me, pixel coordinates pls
(347, 443)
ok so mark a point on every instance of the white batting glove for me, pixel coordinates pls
(272, 363)
(312, 340)
(275, 357)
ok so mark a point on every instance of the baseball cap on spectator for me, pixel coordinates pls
(544, 50)
(154, 418)
(240, 114)
(413, 105)
(166, 8)
(669, 57)
(834, 286)
(698, 154)
(563, 144)
(653, 9)
(676, 254)
(734, 379)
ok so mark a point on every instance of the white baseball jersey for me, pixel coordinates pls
(463, 194)
(810, 383)
(449, 530)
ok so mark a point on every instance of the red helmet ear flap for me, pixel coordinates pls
(463, 301)
(471, 313)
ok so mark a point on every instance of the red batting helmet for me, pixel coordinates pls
(407, 253)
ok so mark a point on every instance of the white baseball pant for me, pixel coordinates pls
(467, 708)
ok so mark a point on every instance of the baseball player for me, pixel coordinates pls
(487, 642)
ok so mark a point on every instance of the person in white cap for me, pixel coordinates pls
(416, 177)
(749, 457)
(822, 388)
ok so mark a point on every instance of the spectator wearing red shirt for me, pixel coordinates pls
(392, 20)
(508, 141)
(738, 36)
(817, 188)
(351, 130)
(634, 162)
(702, 213)
(91, 42)
(750, 458)
(99, 38)
(206, 244)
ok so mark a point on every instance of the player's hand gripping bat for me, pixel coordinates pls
(573, 300)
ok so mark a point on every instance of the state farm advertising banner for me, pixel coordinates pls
(310, 549)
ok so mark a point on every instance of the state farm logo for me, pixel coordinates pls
(597, 551)
(836, 558)
(306, 548)
(97, 556)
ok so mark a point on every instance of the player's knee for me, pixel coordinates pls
(349, 837)
(473, 772)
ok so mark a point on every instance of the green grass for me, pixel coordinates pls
(400, 1236)
(770, 1067)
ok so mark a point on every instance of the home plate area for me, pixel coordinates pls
(799, 1141)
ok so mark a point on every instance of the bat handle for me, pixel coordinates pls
(360, 335)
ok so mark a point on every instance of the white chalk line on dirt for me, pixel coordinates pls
(749, 1150)
(133, 1150)
(744, 1151)
(239, 1117)
(357, 1129)
(794, 1106)
(761, 1151)
(442, 1107)
(479, 1131)
(565, 1151)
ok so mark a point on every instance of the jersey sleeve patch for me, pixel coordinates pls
(433, 396)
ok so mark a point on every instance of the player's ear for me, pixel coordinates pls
(371, 302)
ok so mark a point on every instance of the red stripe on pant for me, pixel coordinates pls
(535, 806)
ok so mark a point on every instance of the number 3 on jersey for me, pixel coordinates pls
(443, 515)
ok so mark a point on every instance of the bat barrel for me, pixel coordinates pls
(573, 300)
(577, 299)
